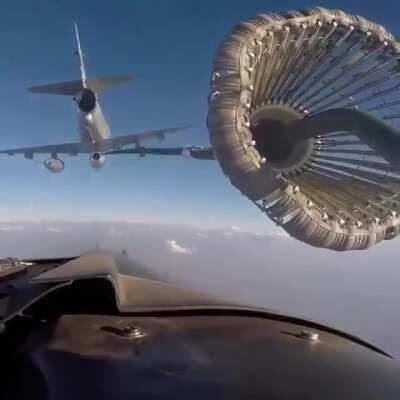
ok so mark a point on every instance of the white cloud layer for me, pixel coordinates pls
(238, 231)
(13, 227)
(115, 232)
(201, 234)
(174, 247)
(54, 229)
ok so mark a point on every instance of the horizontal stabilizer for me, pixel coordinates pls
(101, 84)
(68, 88)
(72, 88)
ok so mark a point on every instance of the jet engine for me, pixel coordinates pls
(54, 165)
(304, 121)
(86, 100)
(97, 160)
(187, 152)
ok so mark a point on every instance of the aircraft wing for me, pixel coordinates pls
(66, 148)
(74, 149)
(200, 153)
(137, 138)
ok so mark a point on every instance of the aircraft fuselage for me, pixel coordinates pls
(92, 125)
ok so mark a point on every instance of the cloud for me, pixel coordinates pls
(115, 232)
(238, 231)
(12, 227)
(54, 229)
(174, 247)
(277, 233)
(281, 233)
(234, 230)
(201, 234)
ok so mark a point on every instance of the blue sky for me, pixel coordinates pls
(169, 45)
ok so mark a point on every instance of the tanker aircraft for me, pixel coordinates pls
(94, 132)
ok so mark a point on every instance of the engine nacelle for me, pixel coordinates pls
(97, 160)
(187, 152)
(86, 100)
(54, 165)
(200, 153)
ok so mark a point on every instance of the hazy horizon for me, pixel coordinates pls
(353, 291)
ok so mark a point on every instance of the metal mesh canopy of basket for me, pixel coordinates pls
(303, 119)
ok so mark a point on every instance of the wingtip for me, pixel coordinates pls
(185, 127)
(31, 89)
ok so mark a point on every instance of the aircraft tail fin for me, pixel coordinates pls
(73, 88)
(100, 84)
(80, 55)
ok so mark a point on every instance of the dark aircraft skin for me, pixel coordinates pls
(101, 326)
